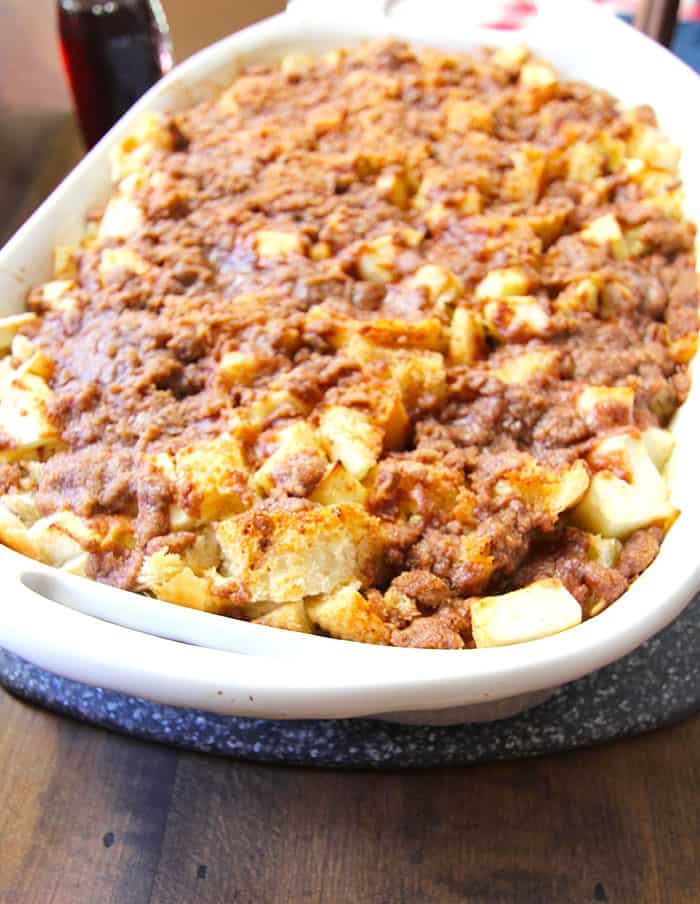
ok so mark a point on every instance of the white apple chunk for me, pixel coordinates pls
(538, 610)
(615, 507)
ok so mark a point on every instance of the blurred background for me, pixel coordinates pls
(39, 141)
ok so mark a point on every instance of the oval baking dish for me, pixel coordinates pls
(108, 637)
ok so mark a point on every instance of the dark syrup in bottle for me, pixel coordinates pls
(113, 52)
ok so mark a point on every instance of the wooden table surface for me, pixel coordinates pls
(88, 816)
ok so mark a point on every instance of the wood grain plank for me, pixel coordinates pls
(83, 811)
(583, 827)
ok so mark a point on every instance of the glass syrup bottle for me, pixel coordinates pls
(113, 52)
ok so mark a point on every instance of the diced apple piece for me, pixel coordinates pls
(615, 507)
(593, 398)
(351, 438)
(503, 283)
(466, 337)
(274, 244)
(339, 486)
(606, 230)
(539, 610)
(10, 326)
(659, 444)
(526, 366)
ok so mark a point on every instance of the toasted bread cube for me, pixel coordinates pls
(273, 405)
(659, 444)
(15, 534)
(606, 230)
(517, 318)
(442, 286)
(122, 218)
(78, 565)
(547, 224)
(543, 608)
(273, 244)
(24, 414)
(62, 536)
(426, 333)
(465, 115)
(503, 284)
(615, 507)
(421, 377)
(166, 576)
(10, 326)
(605, 550)
(289, 617)
(466, 337)
(545, 489)
(581, 295)
(298, 438)
(338, 486)
(595, 397)
(284, 556)
(527, 366)
(346, 615)
(351, 438)
(23, 505)
(134, 151)
(33, 360)
(376, 261)
(210, 480)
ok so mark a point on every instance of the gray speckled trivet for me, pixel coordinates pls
(656, 685)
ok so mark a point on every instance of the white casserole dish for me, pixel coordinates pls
(122, 641)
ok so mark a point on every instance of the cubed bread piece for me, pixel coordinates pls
(596, 402)
(511, 58)
(346, 615)
(121, 259)
(442, 286)
(25, 401)
(468, 115)
(56, 295)
(285, 556)
(10, 326)
(15, 533)
(134, 151)
(352, 438)
(466, 337)
(422, 379)
(543, 608)
(615, 507)
(545, 489)
(503, 283)
(62, 536)
(515, 319)
(339, 486)
(297, 439)
(585, 161)
(527, 366)
(581, 295)
(210, 481)
(166, 576)
(376, 261)
(289, 617)
(238, 369)
(122, 218)
(538, 75)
